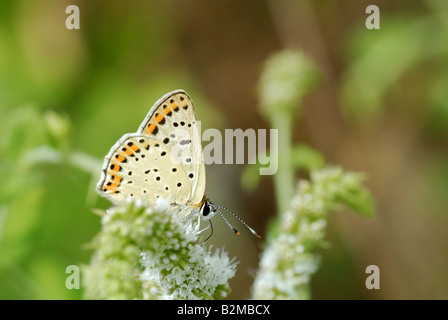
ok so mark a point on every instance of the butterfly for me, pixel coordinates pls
(163, 159)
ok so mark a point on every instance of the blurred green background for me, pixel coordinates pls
(381, 108)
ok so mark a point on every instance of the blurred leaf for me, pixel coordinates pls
(21, 188)
(360, 201)
(302, 157)
(379, 59)
(20, 219)
(354, 195)
(58, 127)
(438, 118)
(250, 177)
(49, 274)
(305, 157)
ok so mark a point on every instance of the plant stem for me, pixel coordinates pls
(284, 178)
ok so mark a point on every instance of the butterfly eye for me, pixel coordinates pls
(205, 210)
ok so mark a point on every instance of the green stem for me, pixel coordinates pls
(284, 178)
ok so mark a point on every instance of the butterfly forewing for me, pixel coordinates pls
(172, 122)
(140, 166)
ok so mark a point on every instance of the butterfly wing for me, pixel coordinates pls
(172, 121)
(140, 166)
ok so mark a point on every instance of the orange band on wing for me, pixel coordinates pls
(152, 128)
(115, 167)
(113, 184)
(120, 157)
(159, 118)
(134, 147)
(127, 151)
(167, 110)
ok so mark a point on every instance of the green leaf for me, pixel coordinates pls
(306, 157)
(250, 177)
(360, 201)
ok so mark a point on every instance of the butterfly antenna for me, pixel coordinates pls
(227, 222)
(255, 233)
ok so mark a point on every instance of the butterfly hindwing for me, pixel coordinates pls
(141, 166)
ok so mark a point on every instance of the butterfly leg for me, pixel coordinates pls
(211, 229)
